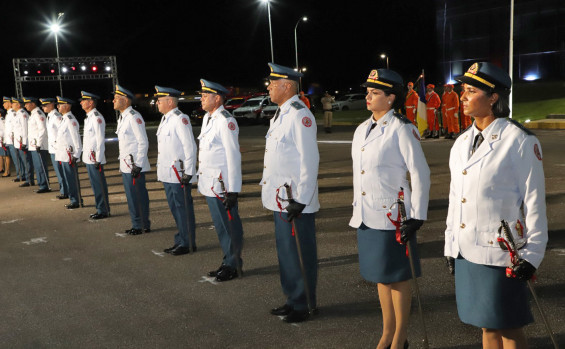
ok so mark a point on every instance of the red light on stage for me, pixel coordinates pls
(94, 68)
(52, 71)
(73, 68)
(39, 72)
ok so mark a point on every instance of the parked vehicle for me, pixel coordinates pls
(354, 101)
(252, 108)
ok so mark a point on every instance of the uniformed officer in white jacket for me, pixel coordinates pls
(93, 154)
(21, 142)
(176, 167)
(385, 148)
(54, 119)
(219, 176)
(68, 151)
(292, 158)
(496, 174)
(133, 145)
(9, 136)
(37, 140)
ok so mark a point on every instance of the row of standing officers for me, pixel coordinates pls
(496, 173)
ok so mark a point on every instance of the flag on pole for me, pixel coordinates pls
(421, 114)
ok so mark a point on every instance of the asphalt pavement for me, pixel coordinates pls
(68, 282)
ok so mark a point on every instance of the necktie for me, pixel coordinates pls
(277, 114)
(478, 140)
(371, 129)
(208, 121)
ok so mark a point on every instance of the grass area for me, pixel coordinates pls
(533, 110)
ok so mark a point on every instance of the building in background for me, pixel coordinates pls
(469, 31)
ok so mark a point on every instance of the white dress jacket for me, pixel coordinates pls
(502, 180)
(380, 166)
(291, 157)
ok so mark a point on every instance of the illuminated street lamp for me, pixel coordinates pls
(303, 19)
(300, 70)
(270, 29)
(55, 29)
(385, 56)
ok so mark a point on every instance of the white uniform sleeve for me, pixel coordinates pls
(24, 122)
(307, 147)
(233, 155)
(415, 160)
(41, 130)
(186, 137)
(529, 170)
(75, 135)
(141, 139)
(99, 135)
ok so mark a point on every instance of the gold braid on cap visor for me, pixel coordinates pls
(479, 79)
(379, 82)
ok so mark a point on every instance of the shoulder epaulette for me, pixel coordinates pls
(132, 112)
(70, 117)
(403, 119)
(468, 127)
(96, 113)
(226, 113)
(178, 112)
(521, 127)
(297, 105)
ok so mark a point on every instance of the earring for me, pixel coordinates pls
(388, 102)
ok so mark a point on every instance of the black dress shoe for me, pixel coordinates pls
(41, 191)
(226, 274)
(214, 273)
(180, 250)
(15, 180)
(297, 316)
(146, 230)
(98, 216)
(281, 311)
(25, 184)
(61, 197)
(72, 206)
(133, 231)
(168, 250)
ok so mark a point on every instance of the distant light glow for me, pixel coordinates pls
(52, 71)
(26, 72)
(108, 68)
(83, 68)
(64, 69)
(452, 82)
(527, 120)
(531, 77)
(94, 68)
(383, 56)
(55, 28)
(73, 68)
(39, 72)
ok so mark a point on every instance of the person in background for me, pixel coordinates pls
(411, 103)
(385, 148)
(450, 111)
(496, 174)
(20, 131)
(4, 167)
(37, 140)
(327, 101)
(304, 99)
(9, 139)
(432, 104)
(54, 119)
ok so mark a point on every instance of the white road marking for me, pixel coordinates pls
(36, 241)
(160, 254)
(12, 221)
(559, 251)
(121, 235)
(67, 259)
(210, 279)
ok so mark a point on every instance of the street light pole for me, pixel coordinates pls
(385, 56)
(304, 19)
(55, 27)
(270, 29)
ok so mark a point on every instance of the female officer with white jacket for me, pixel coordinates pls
(496, 174)
(384, 149)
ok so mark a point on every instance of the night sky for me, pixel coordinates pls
(175, 43)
